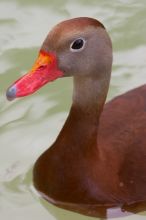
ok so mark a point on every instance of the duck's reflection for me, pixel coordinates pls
(129, 211)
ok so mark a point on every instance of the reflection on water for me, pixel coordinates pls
(29, 125)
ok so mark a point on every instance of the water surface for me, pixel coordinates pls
(29, 125)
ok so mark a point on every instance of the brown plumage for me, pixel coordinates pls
(99, 158)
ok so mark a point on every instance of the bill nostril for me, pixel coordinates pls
(11, 93)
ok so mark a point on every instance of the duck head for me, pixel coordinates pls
(78, 47)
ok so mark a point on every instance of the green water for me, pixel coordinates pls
(29, 125)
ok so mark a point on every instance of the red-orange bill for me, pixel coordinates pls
(44, 70)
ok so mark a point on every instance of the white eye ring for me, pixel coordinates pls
(77, 45)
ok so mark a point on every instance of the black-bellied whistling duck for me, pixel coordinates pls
(99, 158)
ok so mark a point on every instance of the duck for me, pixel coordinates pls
(98, 160)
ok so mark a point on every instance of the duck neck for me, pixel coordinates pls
(81, 126)
(89, 96)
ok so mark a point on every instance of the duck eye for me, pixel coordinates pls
(77, 45)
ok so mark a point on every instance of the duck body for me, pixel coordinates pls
(113, 172)
(98, 160)
(123, 125)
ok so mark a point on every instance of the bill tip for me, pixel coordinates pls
(11, 93)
